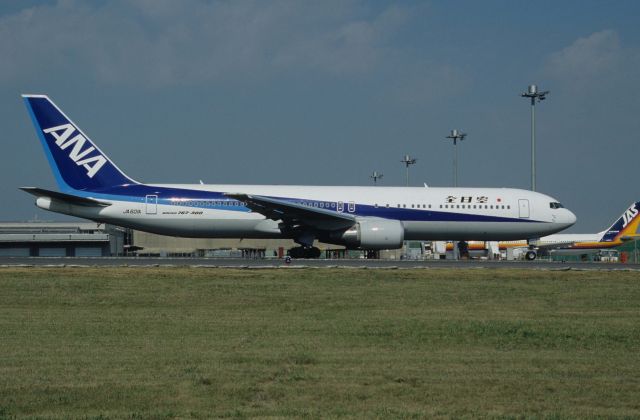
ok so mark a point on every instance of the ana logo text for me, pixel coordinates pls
(62, 134)
(629, 215)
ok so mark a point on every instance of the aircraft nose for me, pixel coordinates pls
(571, 218)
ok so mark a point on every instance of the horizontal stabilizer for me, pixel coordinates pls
(67, 198)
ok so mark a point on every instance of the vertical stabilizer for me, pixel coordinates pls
(626, 225)
(76, 162)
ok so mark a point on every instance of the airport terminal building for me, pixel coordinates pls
(89, 239)
(61, 239)
(149, 244)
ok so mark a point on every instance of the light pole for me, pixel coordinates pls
(455, 136)
(376, 176)
(533, 93)
(408, 160)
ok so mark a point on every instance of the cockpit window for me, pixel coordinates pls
(555, 205)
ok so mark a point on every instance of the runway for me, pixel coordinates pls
(305, 263)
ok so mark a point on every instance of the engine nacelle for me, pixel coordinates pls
(374, 233)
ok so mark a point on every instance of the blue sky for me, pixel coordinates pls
(323, 93)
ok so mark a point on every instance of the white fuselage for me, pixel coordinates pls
(425, 213)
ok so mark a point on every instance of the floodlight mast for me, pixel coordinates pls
(408, 160)
(535, 95)
(455, 136)
(376, 176)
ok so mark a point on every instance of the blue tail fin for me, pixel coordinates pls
(76, 162)
(626, 225)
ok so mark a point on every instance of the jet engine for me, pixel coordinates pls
(373, 233)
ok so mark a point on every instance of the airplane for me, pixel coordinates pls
(92, 187)
(623, 229)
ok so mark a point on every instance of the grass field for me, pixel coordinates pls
(180, 342)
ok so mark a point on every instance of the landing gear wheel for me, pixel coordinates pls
(530, 255)
(312, 252)
(301, 252)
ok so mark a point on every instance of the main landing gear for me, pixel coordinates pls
(304, 252)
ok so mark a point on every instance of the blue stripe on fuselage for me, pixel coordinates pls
(205, 199)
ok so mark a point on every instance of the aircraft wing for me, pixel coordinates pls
(296, 214)
(67, 198)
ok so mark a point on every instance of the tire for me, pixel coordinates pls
(312, 252)
(530, 255)
(301, 252)
(297, 252)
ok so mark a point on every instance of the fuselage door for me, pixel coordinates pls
(352, 207)
(151, 204)
(340, 206)
(523, 208)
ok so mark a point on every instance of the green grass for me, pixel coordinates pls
(164, 343)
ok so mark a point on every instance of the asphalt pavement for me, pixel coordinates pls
(303, 263)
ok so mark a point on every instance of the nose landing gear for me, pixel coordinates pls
(532, 252)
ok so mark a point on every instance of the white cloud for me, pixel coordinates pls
(352, 46)
(167, 42)
(157, 43)
(598, 58)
